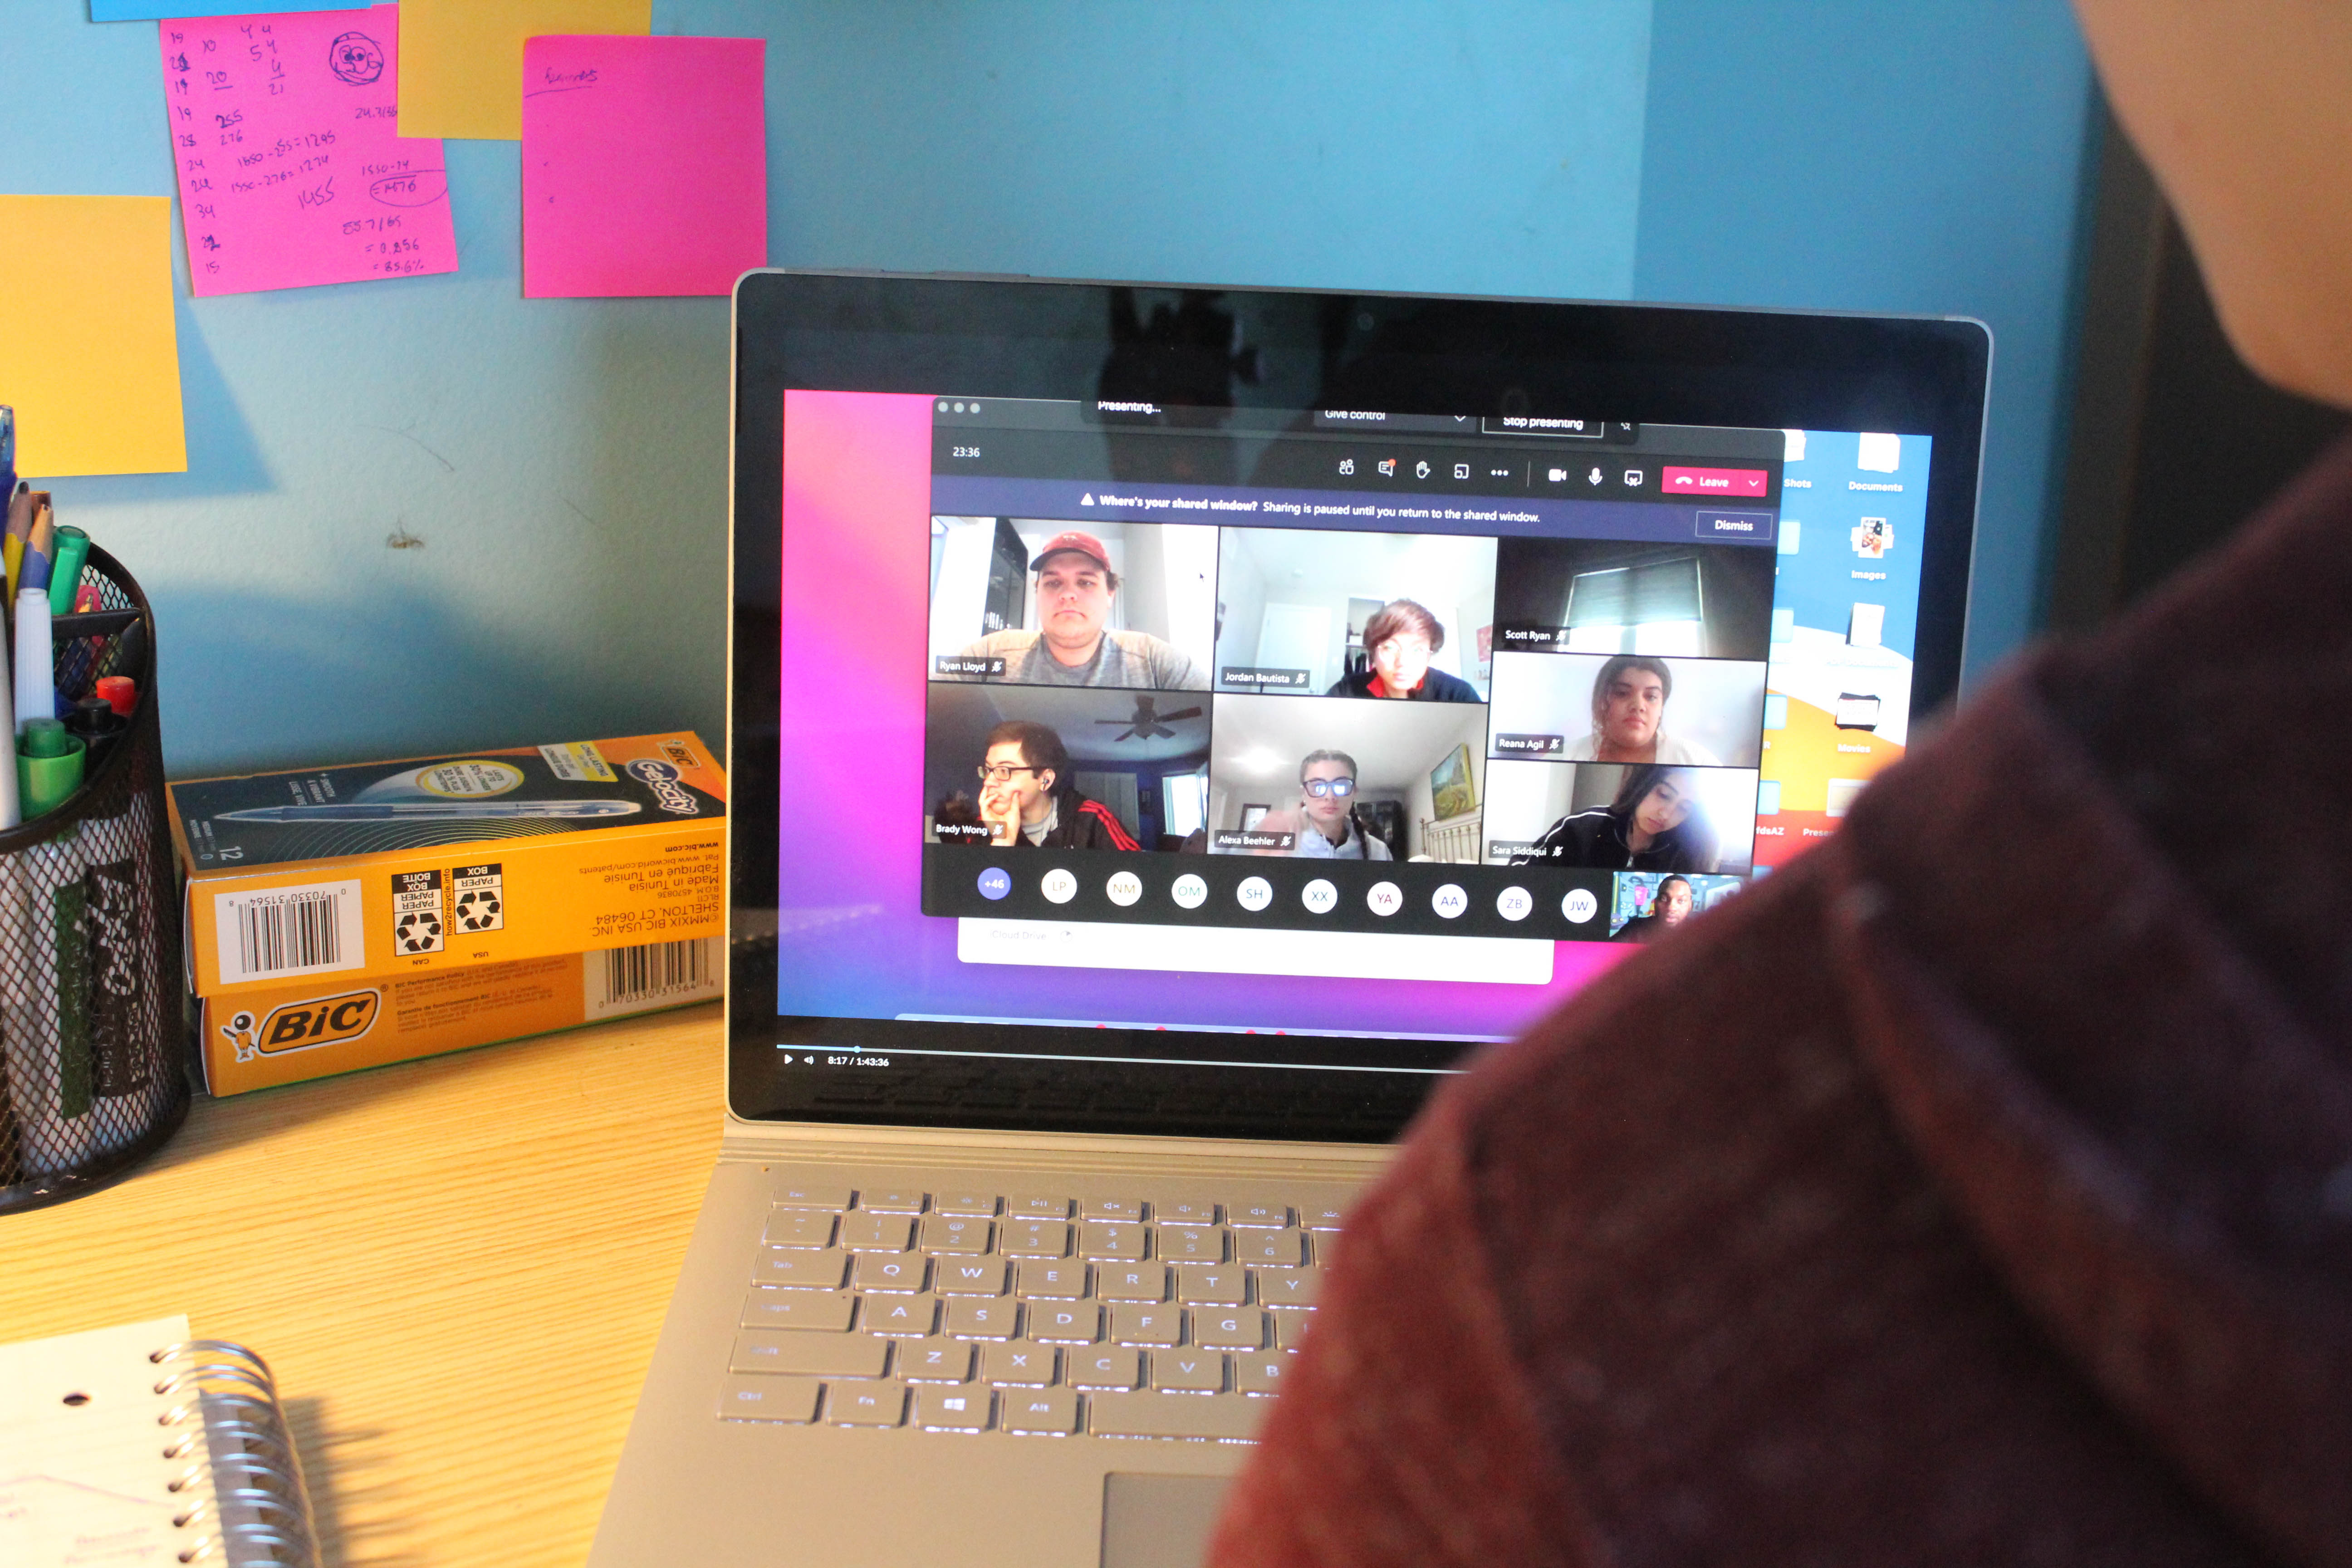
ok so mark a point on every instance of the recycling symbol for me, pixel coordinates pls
(417, 932)
(478, 910)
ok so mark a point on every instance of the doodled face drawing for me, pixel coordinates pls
(356, 58)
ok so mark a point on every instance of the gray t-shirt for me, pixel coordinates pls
(1135, 660)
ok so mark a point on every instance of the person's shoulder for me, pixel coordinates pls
(1355, 683)
(1585, 747)
(1377, 849)
(1452, 689)
(1170, 666)
(999, 643)
(1672, 749)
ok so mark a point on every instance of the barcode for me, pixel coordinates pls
(288, 930)
(626, 977)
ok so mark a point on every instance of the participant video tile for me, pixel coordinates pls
(1017, 601)
(1307, 613)
(1611, 816)
(1628, 708)
(1600, 596)
(1377, 781)
(1058, 769)
(1649, 904)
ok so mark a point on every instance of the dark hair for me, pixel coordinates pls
(1613, 667)
(1040, 747)
(1692, 845)
(1660, 890)
(1403, 615)
(1311, 758)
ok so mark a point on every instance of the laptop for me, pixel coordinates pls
(1172, 730)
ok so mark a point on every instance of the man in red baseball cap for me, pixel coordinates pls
(1069, 646)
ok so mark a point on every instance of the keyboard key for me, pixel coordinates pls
(899, 1317)
(751, 1397)
(892, 1200)
(1287, 1248)
(1258, 1216)
(1262, 1372)
(992, 1318)
(1105, 1368)
(1290, 1328)
(1131, 1282)
(1318, 1216)
(808, 1270)
(798, 1227)
(1209, 1286)
(1110, 1240)
(1191, 1243)
(952, 1409)
(1020, 1366)
(809, 1355)
(955, 1233)
(970, 1275)
(1173, 1415)
(811, 1196)
(1189, 1371)
(1054, 1281)
(876, 1232)
(1065, 1323)
(819, 1309)
(1035, 1239)
(1185, 1212)
(1037, 1205)
(865, 1403)
(935, 1361)
(1287, 1287)
(1127, 1208)
(1052, 1411)
(1162, 1326)
(979, 1204)
(1229, 1328)
(889, 1271)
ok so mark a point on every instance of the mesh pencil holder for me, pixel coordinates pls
(90, 1077)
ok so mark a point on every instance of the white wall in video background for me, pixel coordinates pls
(1715, 707)
(983, 579)
(1524, 800)
(1298, 599)
(1419, 779)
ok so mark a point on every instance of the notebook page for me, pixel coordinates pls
(85, 1482)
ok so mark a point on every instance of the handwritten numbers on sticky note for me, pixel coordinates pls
(292, 171)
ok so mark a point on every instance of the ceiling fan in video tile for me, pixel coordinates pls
(1149, 723)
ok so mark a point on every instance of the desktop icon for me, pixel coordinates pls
(1461, 470)
(1873, 538)
(1879, 453)
(1388, 467)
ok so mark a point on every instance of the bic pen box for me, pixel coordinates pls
(398, 870)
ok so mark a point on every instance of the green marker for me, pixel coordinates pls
(49, 766)
(65, 580)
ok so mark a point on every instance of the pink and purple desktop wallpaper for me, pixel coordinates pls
(853, 940)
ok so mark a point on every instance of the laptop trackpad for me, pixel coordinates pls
(1159, 1522)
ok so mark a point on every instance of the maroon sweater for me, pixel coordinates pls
(1978, 1191)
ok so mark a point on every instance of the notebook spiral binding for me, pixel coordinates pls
(247, 1504)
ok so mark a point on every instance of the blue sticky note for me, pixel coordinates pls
(1792, 531)
(1784, 625)
(156, 10)
(1767, 798)
(1775, 710)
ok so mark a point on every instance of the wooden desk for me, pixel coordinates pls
(457, 1268)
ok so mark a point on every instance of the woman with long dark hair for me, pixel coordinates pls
(1654, 824)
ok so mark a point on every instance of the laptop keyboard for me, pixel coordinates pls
(1113, 1312)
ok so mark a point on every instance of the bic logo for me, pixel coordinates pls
(662, 779)
(304, 1025)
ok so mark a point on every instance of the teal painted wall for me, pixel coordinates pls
(563, 462)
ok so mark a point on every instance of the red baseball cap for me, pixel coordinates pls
(1084, 543)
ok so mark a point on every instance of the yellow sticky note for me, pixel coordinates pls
(88, 357)
(461, 60)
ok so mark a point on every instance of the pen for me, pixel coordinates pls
(429, 810)
(65, 579)
(40, 548)
(7, 450)
(22, 503)
(37, 692)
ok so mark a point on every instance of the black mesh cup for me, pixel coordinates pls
(91, 1081)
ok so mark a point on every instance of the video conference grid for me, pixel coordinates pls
(1412, 896)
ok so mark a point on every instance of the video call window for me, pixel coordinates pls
(1628, 708)
(1064, 769)
(1312, 612)
(1364, 781)
(1598, 595)
(1612, 816)
(1034, 603)
(1648, 904)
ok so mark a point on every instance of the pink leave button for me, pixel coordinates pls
(1714, 481)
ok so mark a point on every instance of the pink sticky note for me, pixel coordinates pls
(645, 165)
(290, 173)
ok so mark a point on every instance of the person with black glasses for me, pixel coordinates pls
(1026, 798)
(1325, 826)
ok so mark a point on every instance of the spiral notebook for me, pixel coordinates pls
(134, 1445)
